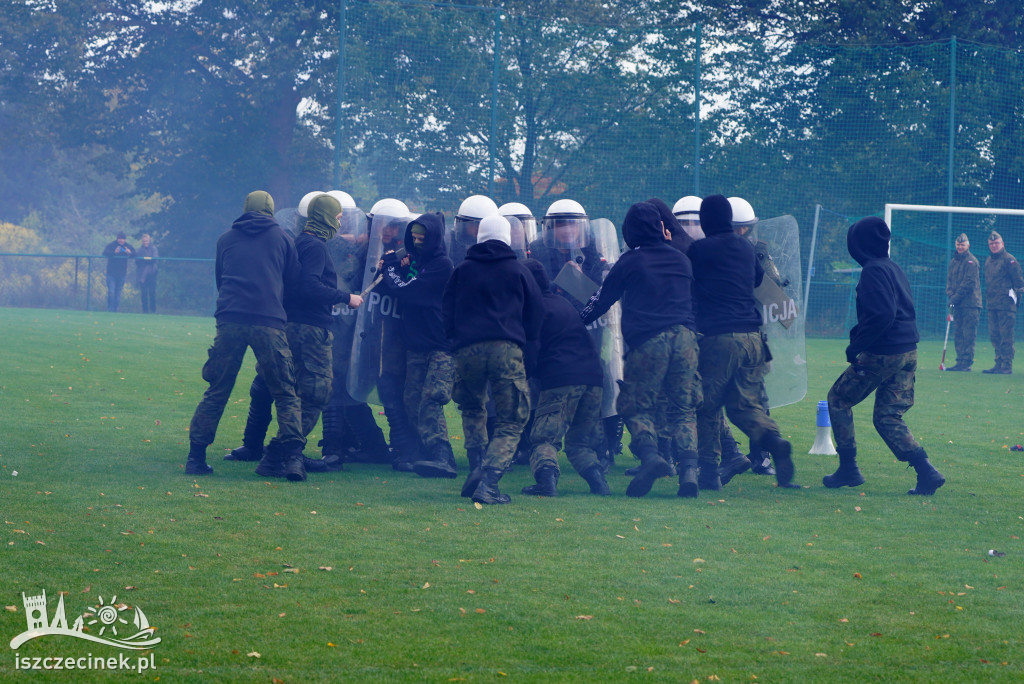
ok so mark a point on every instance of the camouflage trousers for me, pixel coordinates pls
(221, 370)
(660, 392)
(1000, 331)
(572, 413)
(965, 330)
(732, 366)
(311, 353)
(891, 378)
(429, 377)
(500, 364)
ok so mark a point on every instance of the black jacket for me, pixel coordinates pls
(725, 273)
(565, 353)
(318, 284)
(652, 279)
(255, 264)
(886, 322)
(419, 287)
(491, 296)
(554, 260)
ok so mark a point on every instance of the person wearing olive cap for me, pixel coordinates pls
(256, 263)
(963, 289)
(1004, 286)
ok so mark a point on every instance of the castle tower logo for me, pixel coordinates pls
(105, 623)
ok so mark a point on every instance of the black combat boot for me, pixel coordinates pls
(372, 446)
(272, 463)
(686, 466)
(732, 466)
(928, 478)
(487, 490)
(594, 475)
(547, 483)
(441, 462)
(847, 474)
(330, 463)
(196, 464)
(708, 479)
(782, 454)
(294, 464)
(476, 457)
(246, 452)
(652, 467)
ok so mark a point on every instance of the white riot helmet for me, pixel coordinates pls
(306, 199)
(353, 221)
(344, 199)
(687, 210)
(527, 223)
(467, 220)
(388, 207)
(566, 225)
(744, 221)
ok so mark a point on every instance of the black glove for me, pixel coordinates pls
(851, 355)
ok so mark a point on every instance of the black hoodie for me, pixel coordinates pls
(420, 286)
(725, 273)
(318, 284)
(491, 296)
(886, 322)
(256, 263)
(680, 238)
(652, 279)
(565, 353)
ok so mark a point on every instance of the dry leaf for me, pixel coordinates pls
(253, 654)
(12, 609)
(328, 568)
(478, 506)
(480, 610)
(584, 617)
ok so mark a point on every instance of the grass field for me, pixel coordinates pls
(372, 575)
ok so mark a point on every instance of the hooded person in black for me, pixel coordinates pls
(733, 353)
(492, 307)
(418, 281)
(654, 282)
(256, 264)
(568, 372)
(883, 356)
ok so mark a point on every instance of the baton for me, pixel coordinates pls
(372, 285)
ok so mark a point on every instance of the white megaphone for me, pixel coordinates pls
(823, 438)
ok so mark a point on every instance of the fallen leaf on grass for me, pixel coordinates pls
(253, 654)
(480, 610)
(478, 506)
(12, 609)
(328, 568)
(856, 575)
(584, 617)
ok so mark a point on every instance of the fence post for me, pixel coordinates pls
(342, 23)
(696, 117)
(88, 284)
(952, 143)
(810, 263)
(494, 102)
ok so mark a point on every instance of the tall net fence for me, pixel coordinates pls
(432, 102)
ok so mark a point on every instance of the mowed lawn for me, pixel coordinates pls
(372, 575)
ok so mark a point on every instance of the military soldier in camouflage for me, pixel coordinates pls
(654, 280)
(491, 308)
(963, 289)
(256, 263)
(883, 359)
(1004, 286)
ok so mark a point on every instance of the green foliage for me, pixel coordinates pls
(401, 579)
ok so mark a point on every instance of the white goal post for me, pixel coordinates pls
(889, 208)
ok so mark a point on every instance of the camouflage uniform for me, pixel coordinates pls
(572, 412)
(892, 375)
(500, 363)
(661, 378)
(429, 377)
(732, 366)
(1002, 273)
(221, 369)
(963, 288)
(311, 354)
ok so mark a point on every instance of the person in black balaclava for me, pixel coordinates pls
(733, 354)
(654, 282)
(883, 359)
(417, 280)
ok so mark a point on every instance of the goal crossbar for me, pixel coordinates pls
(889, 208)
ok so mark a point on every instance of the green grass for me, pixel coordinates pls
(781, 585)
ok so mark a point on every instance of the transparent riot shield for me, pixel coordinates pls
(376, 342)
(778, 249)
(606, 331)
(570, 255)
(348, 251)
(290, 221)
